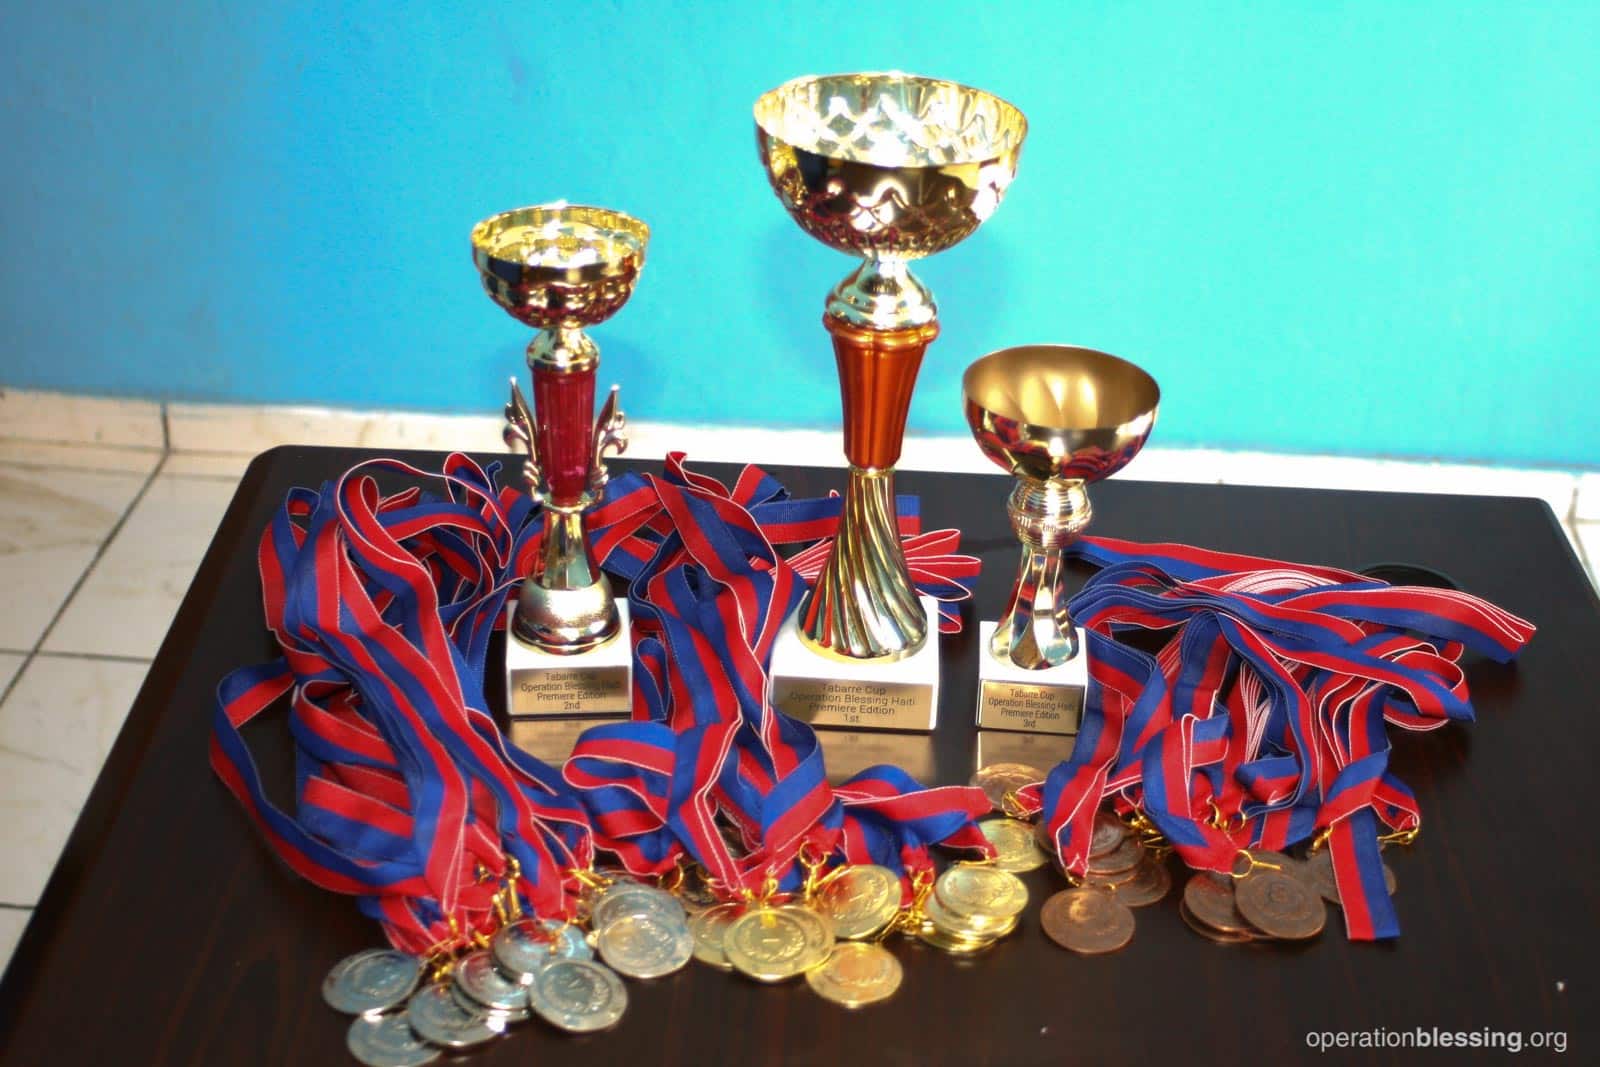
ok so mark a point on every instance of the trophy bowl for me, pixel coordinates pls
(1057, 417)
(888, 165)
(559, 265)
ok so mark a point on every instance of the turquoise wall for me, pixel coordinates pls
(1360, 227)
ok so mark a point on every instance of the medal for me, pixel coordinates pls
(1209, 898)
(772, 944)
(1221, 937)
(645, 944)
(528, 944)
(631, 898)
(859, 901)
(1149, 882)
(1086, 920)
(980, 892)
(371, 981)
(437, 1016)
(485, 989)
(1015, 850)
(855, 974)
(578, 995)
(1280, 905)
(708, 930)
(388, 1041)
(1001, 780)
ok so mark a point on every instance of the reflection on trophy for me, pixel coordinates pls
(889, 167)
(560, 268)
(1057, 418)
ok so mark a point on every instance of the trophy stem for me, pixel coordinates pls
(1035, 630)
(567, 607)
(864, 605)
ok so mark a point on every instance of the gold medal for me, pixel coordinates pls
(981, 892)
(859, 901)
(967, 927)
(1087, 920)
(954, 944)
(771, 944)
(1015, 850)
(856, 973)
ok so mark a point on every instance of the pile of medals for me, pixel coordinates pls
(1268, 897)
(830, 933)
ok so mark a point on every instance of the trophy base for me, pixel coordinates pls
(900, 694)
(592, 684)
(1042, 751)
(1016, 698)
(551, 740)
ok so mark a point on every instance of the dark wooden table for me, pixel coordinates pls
(170, 934)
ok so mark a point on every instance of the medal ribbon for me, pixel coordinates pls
(1262, 720)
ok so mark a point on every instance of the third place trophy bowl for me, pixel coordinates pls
(560, 267)
(1058, 418)
(891, 168)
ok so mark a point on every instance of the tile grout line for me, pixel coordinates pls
(6, 905)
(98, 657)
(77, 586)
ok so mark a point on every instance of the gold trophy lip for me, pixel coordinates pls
(1092, 417)
(896, 198)
(1006, 139)
(562, 289)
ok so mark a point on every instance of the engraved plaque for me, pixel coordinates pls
(1045, 709)
(855, 705)
(569, 691)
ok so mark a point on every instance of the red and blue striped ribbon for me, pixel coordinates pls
(1262, 721)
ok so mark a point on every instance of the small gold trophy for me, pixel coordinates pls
(889, 167)
(559, 268)
(1057, 418)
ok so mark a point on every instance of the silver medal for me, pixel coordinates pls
(525, 946)
(437, 1015)
(578, 995)
(484, 987)
(388, 1041)
(646, 945)
(631, 898)
(371, 981)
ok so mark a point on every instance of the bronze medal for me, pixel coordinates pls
(1109, 832)
(1280, 905)
(1209, 897)
(1123, 857)
(1211, 933)
(999, 780)
(1150, 882)
(1087, 921)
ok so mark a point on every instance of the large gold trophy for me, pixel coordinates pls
(889, 167)
(560, 267)
(1058, 418)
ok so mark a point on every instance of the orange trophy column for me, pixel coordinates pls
(864, 605)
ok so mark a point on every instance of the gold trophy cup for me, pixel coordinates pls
(1057, 418)
(559, 268)
(889, 167)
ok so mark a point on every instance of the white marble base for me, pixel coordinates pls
(899, 695)
(1048, 701)
(592, 684)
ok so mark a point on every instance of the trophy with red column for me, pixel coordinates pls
(559, 268)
